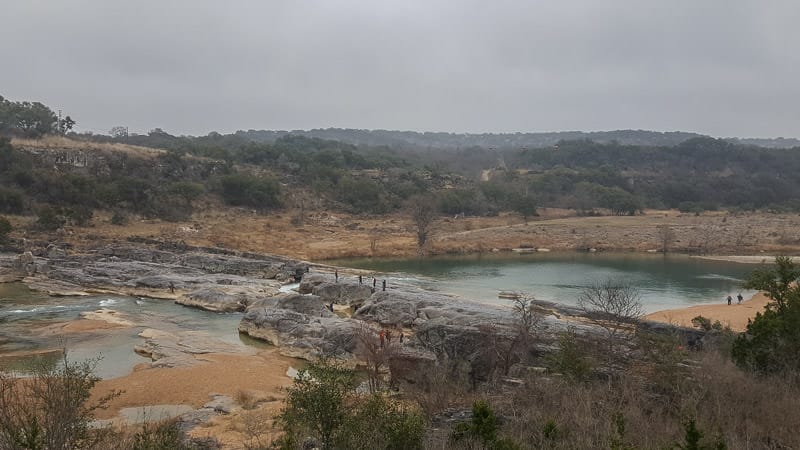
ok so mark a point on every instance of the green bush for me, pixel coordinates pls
(11, 201)
(248, 190)
(322, 405)
(771, 343)
(50, 219)
(52, 409)
(483, 429)
(362, 195)
(119, 218)
(5, 228)
(570, 359)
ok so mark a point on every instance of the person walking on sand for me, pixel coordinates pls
(740, 298)
(730, 299)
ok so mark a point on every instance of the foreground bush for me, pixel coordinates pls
(51, 408)
(322, 407)
(771, 344)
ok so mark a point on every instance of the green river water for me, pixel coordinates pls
(664, 281)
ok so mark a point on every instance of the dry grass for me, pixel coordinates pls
(64, 143)
(653, 401)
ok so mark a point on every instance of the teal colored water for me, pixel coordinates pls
(25, 316)
(664, 282)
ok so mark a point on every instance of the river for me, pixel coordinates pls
(664, 281)
(30, 321)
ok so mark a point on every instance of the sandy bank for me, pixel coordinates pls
(735, 315)
(264, 373)
(751, 259)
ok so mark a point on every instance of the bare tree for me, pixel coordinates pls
(375, 352)
(666, 235)
(509, 344)
(423, 214)
(613, 305)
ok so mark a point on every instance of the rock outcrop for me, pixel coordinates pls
(300, 325)
(170, 350)
(203, 278)
(222, 300)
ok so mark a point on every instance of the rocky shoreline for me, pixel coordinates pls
(326, 315)
(301, 325)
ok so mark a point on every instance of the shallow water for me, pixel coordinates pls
(664, 281)
(25, 315)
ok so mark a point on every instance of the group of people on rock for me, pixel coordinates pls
(361, 280)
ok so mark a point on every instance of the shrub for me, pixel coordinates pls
(570, 359)
(119, 218)
(160, 436)
(50, 219)
(322, 404)
(771, 342)
(482, 428)
(51, 409)
(5, 228)
(11, 201)
(249, 190)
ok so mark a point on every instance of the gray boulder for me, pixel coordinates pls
(342, 293)
(301, 326)
(216, 300)
(311, 280)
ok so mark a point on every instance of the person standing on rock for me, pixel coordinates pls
(383, 336)
(336, 275)
(374, 282)
(401, 336)
(384, 285)
(360, 280)
(389, 336)
(171, 287)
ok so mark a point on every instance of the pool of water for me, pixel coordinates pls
(27, 318)
(664, 281)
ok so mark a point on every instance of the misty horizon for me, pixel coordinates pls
(720, 68)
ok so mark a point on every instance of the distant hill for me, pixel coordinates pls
(436, 140)
(767, 142)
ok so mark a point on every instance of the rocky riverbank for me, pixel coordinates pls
(330, 314)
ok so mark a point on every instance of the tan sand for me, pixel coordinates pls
(264, 373)
(109, 316)
(735, 316)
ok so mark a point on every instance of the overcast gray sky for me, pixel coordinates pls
(720, 67)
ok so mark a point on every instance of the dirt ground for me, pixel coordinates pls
(258, 379)
(327, 235)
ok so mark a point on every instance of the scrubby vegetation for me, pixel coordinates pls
(266, 171)
(52, 408)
